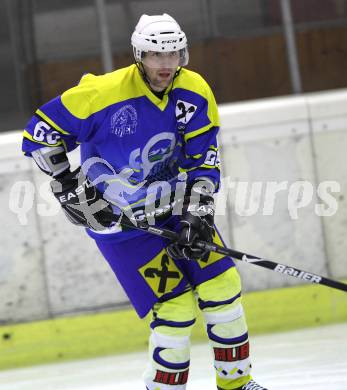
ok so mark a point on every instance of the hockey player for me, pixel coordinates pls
(146, 133)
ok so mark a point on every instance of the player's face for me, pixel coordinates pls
(160, 68)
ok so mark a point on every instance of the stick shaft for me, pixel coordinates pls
(241, 256)
(274, 266)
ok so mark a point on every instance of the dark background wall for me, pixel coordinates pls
(237, 45)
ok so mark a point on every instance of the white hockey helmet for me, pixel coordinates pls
(159, 33)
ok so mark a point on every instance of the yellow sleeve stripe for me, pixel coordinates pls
(209, 166)
(195, 156)
(200, 166)
(133, 204)
(50, 122)
(123, 183)
(195, 133)
(30, 138)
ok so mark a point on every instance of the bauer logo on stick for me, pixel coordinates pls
(283, 269)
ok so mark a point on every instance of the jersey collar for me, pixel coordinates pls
(160, 103)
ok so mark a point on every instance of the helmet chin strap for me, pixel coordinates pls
(147, 81)
(142, 72)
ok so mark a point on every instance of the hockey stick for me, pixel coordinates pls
(241, 256)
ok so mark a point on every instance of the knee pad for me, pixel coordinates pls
(169, 358)
(169, 344)
(220, 302)
(227, 331)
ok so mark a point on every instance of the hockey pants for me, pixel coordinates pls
(219, 299)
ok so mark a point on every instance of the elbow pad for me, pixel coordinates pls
(52, 160)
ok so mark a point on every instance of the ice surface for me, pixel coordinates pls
(310, 359)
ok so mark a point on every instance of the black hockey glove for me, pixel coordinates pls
(197, 222)
(81, 201)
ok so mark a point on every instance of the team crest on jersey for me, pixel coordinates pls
(184, 111)
(124, 121)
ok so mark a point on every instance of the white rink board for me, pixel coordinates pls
(276, 236)
(310, 359)
(49, 267)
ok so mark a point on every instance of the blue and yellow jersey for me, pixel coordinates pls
(123, 128)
